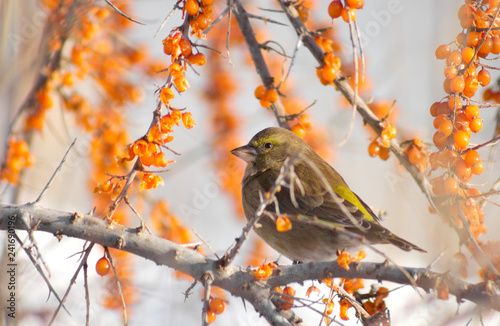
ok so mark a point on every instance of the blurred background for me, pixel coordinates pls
(399, 39)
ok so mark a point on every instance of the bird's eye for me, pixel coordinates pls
(268, 145)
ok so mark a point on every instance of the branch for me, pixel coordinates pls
(234, 279)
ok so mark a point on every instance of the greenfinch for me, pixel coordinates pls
(325, 214)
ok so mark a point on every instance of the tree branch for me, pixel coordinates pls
(239, 282)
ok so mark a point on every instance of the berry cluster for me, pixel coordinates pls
(458, 116)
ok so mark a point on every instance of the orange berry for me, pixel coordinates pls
(356, 4)
(384, 153)
(348, 13)
(460, 139)
(471, 157)
(299, 130)
(373, 148)
(263, 272)
(484, 77)
(443, 108)
(439, 120)
(102, 267)
(450, 72)
(203, 21)
(414, 155)
(473, 39)
(454, 103)
(260, 92)
(471, 86)
(446, 86)
(264, 103)
(460, 39)
(496, 45)
(217, 305)
(210, 317)
(197, 59)
(272, 95)
(433, 109)
(446, 127)
(439, 139)
(329, 73)
(471, 112)
(476, 125)
(477, 168)
(467, 54)
(437, 186)
(185, 46)
(68, 79)
(457, 84)
(463, 172)
(450, 186)
(442, 51)
(454, 58)
(283, 224)
(191, 7)
(486, 47)
(466, 16)
(335, 9)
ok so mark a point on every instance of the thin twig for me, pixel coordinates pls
(54, 174)
(118, 285)
(122, 13)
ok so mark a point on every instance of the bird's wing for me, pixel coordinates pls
(315, 199)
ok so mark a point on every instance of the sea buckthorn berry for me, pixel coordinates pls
(486, 47)
(260, 92)
(472, 157)
(467, 54)
(439, 120)
(210, 317)
(329, 73)
(264, 103)
(433, 109)
(415, 156)
(68, 79)
(203, 21)
(283, 224)
(442, 51)
(464, 173)
(446, 86)
(471, 86)
(450, 186)
(484, 77)
(457, 84)
(473, 39)
(476, 125)
(272, 95)
(477, 168)
(299, 130)
(454, 58)
(496, 45)
(102, 267)
(439, 139)
(461, 38)
(197, 59)
(466, 16)
(191, 7)
(450, 72)
(185, 45)
(356, 4)
(454, 103)
(217, 305)
(446, 127)
(384, 153)
(471, 112)
(471, 71)
(460, 139)
(437, 186)
(443, 108)
(348, 14)
(335, 9)
(373, 148)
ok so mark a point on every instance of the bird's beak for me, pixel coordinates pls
(246, 153)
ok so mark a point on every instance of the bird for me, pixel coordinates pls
(310, 195)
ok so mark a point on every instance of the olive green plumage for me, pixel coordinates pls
(310, 200)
